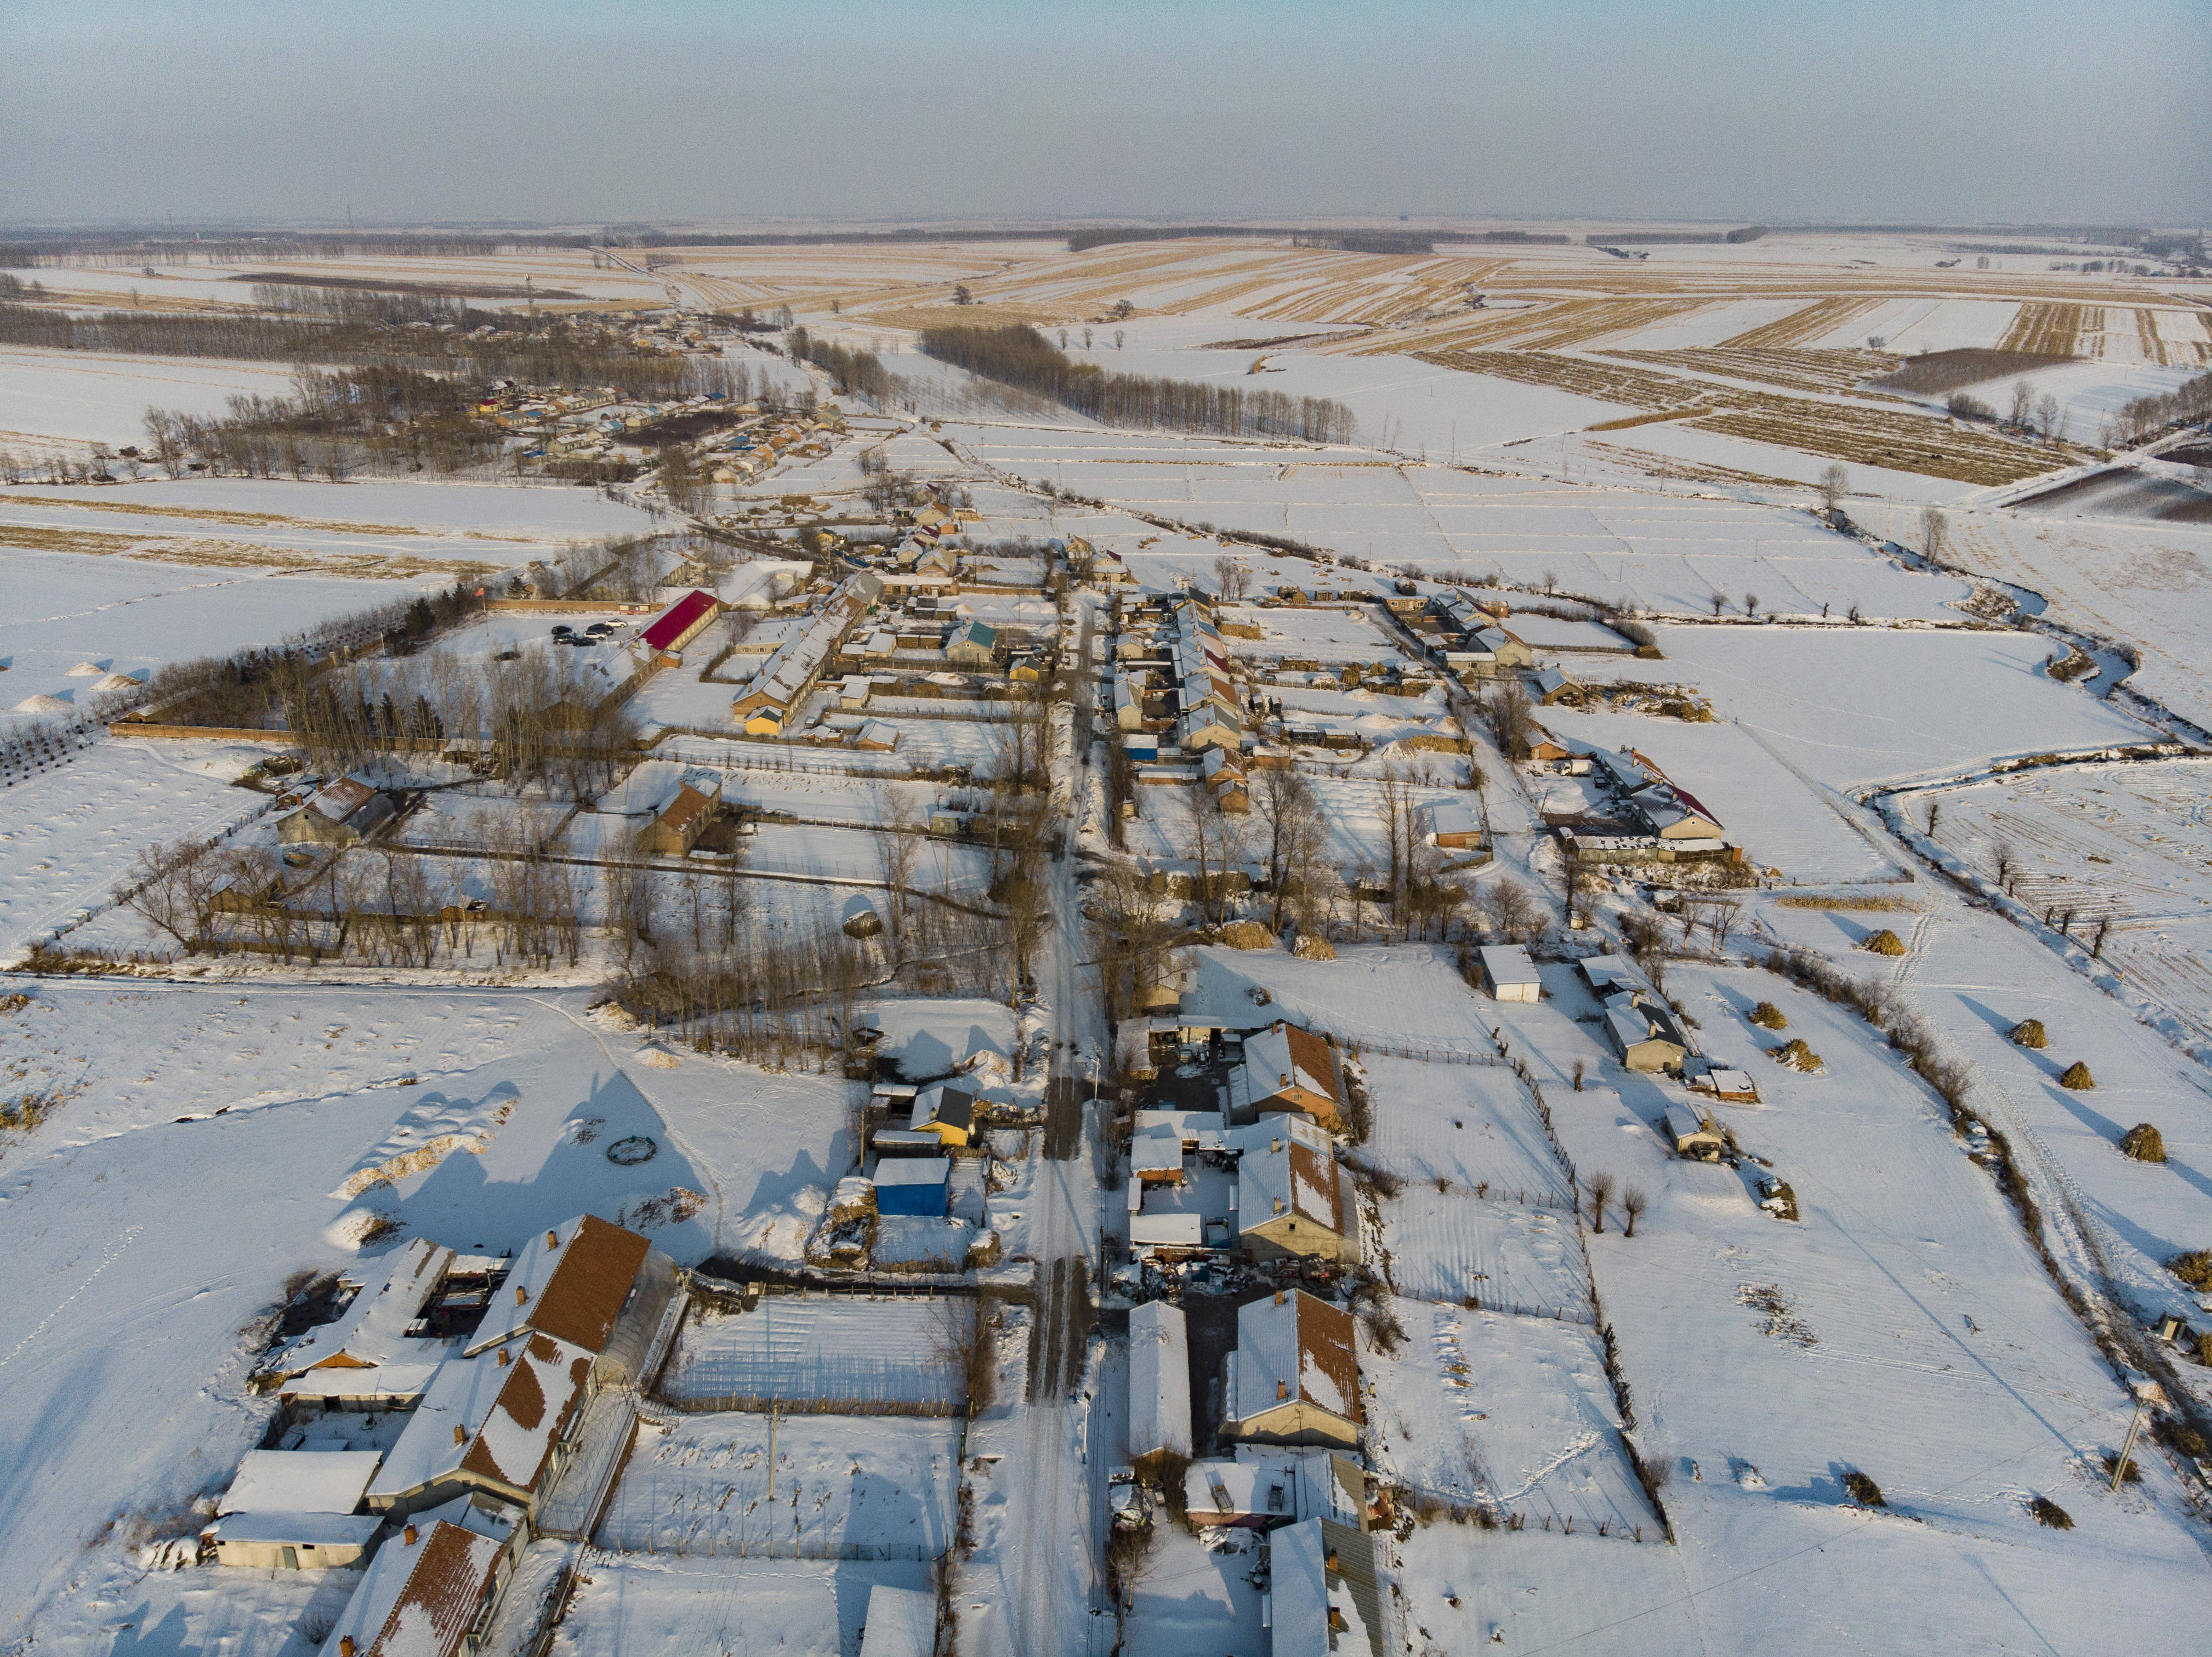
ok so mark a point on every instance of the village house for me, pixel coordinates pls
(1693, 1135)
(433, 1588)
(946, 1113)
(1288, 1068)
(1509, 974)
(371, 1331)
(341, 813)
(677, 826)
(1452, 824)
(1644, 1033)
(1323, 1589)
(974, 645)
(1289, 1200)
(1294, 1376)
(1159, 1384)
(1265, 1487)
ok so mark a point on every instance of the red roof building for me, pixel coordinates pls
(683, 621)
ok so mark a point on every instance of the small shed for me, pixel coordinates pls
(902, 1622)
(295, 1510)
(913, 1186)
(1452, 824)
(1509, 974)
(1156, 1154)
(1692, 1135)
(682, 622)
(1160, 1381)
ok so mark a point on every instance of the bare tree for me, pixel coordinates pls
(2046, 416)
(2001, 853)
(1720, 602)
(1600, 1192)
(1835, 483)
(897, 843)
(1293, 827)
(1218, 847)
(1751, 604)
(2023, 402)
(1633, 1202)
(1935, 533)
(1510, 714)
(173, 886)
(1722, 914)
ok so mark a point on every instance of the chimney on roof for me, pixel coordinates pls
(1279, 1297)
(460, 1434)
(1282, 1389)
(1331, 1559)
(521, 1294)
(408, 1535)
(1279, 1205)
(552, 1240)
(345, 1645)
(502, 1357)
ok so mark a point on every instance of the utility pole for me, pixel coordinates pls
(2147, 1393)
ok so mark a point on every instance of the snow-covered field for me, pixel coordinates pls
(880, 1486)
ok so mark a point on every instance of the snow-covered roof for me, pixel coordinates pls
(902, 1622)
(372, 1329)
(1291, 1347)
(295, 1529)
(913, 1170)
(1310, 1599)
(300, 1481)
(1286, 1167)
(1450, 816)
(1156, 1148)
(570, 1281)
(391, 1385)
(495, 1416)
(1283, 1057)
(1159, 1380)
(1509, 964)
(1197, 1130)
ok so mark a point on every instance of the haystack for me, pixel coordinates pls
(2028, 1033)
(1884, 942)
(1246, 934)
(1311, 946)
(2076, 1076)
(1768, 1016)
(2144, 1143)
(1797, 1056)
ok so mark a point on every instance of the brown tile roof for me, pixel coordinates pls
(445, 1590)
(685, 809)
(586, 1293)
(517, 1431)
(1325, 1343)
(1311, 1055)
(1314, 1191)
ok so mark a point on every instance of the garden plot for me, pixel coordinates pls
(65, 400)
(1849, 707)
(59, 609)
(2149, 584)
(1904, 1329)
(1511, 1411)
(1407, 995)
(450, 817)
(72, 833)
(1668, 553)
(1320, 634)
(1451, 1244)
(811, 1352)
(1471, 1124)
(843, 1487)
(628, 1602)
(425, 533)
(2124, 846)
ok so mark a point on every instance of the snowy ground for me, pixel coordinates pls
(629, 1602)
(705, 1484)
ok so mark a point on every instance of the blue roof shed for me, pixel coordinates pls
(912, 1184)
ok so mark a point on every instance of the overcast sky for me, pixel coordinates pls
(664, 109)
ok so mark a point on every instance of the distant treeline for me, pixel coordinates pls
(819, 238)
(551, 353)
(1021, 357)
(1673, 238)
(134, 247)
(1350, 241)
(1517, 238)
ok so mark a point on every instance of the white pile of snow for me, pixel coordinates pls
(42, 704)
